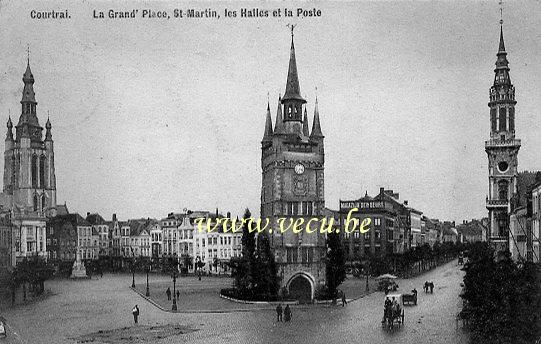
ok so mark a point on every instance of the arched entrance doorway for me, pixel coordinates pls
(300, 289)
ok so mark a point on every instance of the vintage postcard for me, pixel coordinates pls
(270, 172)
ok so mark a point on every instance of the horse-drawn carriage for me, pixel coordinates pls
(393, 312)
(387, 283)
(410, 298)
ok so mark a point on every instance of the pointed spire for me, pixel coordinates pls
(48, 126)
(28, 79)
(501, 48)
(305, 131)
(279, 123)
(316, 126)
(267, 136)
(293, 90)
(9, 135)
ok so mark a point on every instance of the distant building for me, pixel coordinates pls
(7, 249)
(67, 234)
(29, 176)
(523, 220)
(140, 239)
(390, 230)
(449, 232)
(101, 227)
(471, 231)
(534, 254)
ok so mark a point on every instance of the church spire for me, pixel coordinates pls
(267, 136)
(293, 89)
(316, 126)
(28, 79)
(279, 124)
(48, 135)
(9, 135)
(502, 44)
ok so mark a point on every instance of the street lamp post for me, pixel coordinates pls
(174, 275)
(147, 269)
(367, 286)
(133, 273)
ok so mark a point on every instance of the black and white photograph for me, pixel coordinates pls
(223, 172)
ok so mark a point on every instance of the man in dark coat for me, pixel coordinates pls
(135, 312)
(431, 285)
(279, 312)
(287, 314)
(168, 293)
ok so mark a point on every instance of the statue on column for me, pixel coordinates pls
(78, 270)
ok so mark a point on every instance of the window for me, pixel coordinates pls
(36, 202)
(43, 202)
(13, 171)
(503, 119)
(295, 208)
(503, 186)
(34, 171)
(512, 119)
(493, 119)
(42, 171)
(307, 208)
(377, 221)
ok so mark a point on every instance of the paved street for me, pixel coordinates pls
(204, 295)
(82, 307)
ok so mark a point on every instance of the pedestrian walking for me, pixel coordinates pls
(178, 294)
(287, 314)
(279, 312)
(135, 312)
(431, 285)
(168, 293)
(344, 301)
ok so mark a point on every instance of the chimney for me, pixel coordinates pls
(405, 202)
(228, 214)
(114, 217)
(87, 214)
(381, 190)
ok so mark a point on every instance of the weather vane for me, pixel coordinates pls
(291, 27)
(501, 12)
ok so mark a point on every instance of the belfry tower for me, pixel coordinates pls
(292, 162)
(502, 150)
(29, 174)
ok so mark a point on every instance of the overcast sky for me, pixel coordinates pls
(153, 116)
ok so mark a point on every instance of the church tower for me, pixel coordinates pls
(502, 150)
(292, 162)
(29, 175)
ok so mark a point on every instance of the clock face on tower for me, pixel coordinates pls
(299, 169)
(503, 166)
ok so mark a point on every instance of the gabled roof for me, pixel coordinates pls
(95, 219)
(80, 220)
(62, 209)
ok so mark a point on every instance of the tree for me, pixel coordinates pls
(335, 264)
(265, 275)
(502, 299)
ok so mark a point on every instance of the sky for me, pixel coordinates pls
(152, 116)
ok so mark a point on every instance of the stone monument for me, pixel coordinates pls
(78, 270)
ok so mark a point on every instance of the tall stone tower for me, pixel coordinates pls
(502, 150)
(292, 161)
(29, 175)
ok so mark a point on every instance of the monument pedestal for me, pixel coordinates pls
(78, 270)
